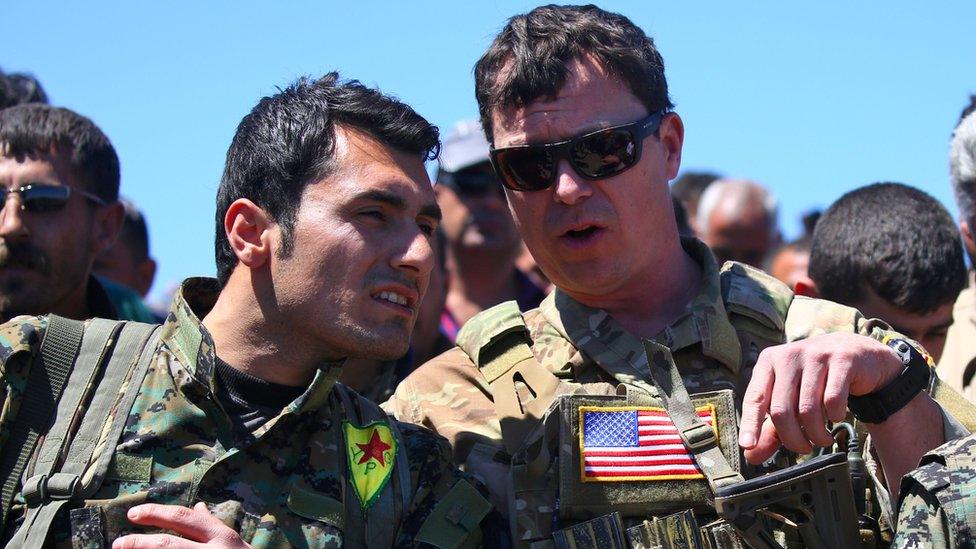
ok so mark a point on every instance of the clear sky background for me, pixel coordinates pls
(810, 99)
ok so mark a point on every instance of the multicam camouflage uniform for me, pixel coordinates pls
(288, 483)
(714, 344)
(938, 500)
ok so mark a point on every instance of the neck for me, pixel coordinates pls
(360, 374)
(655, 301)
(478, 281)
(74, 305)
(246, 336)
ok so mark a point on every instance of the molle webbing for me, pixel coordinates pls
(47, 378)
(107, 376)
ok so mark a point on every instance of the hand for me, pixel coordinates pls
(801, 385)
(197, 526)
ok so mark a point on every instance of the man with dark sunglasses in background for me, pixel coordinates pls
(616, 403)
(482, 242)
(59, 182)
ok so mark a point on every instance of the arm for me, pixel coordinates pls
(796, 388)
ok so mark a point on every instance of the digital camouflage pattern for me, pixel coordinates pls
(285, 484)
(715, 344)
(938, 500)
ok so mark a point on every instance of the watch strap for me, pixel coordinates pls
(878, 406)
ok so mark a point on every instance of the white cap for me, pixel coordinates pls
(464, 147)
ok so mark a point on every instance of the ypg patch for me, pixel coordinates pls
(371, 452)
(620, 443)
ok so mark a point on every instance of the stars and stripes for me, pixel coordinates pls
(635, 443)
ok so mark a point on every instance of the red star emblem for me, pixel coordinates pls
(373, 449)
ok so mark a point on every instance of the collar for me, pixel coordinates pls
(704, 321)
(190, 341)
(98, 301)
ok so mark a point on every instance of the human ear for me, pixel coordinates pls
(967, 238)
(108, 225)
(672, 136)
(806, 287)
(247, 228)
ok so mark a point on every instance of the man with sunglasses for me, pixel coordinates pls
(482, 243)
(615, 404)
(59, 185)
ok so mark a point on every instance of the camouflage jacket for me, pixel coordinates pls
(938, 500)
(287, 484)
(715, 343)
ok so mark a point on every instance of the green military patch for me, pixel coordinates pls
(371, 450)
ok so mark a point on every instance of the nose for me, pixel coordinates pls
(570, 187)
(416, 257)
(12, 218)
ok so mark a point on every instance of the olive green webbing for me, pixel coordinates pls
(698, 437)
(46, 380)
(98, 392)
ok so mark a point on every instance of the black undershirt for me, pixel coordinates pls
(249, 401)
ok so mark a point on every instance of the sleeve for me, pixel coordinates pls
(19, 341)
(449, 508)
(921, 522)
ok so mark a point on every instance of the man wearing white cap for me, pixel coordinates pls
(482, 242)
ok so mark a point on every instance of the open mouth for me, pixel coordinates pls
(396, 300)
(582, 233)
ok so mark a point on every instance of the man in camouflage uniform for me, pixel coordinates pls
(239, 432)
(938, 500)
(559, 91)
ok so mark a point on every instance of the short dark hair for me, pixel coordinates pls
(534, 49)
(135, 233)
(894, 239)
(287, 141)
(968, 109)
(35, 128)
(19, 88)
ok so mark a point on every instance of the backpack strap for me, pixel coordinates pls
(62, 475)
(46, 380)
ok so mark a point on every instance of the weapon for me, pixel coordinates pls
(814, 497)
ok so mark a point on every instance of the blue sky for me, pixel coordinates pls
(811, 99)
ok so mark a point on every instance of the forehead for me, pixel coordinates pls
(364, 164)
(873, 306)
(35, 167)
(590, 99)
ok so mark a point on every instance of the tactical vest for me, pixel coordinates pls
(99, 370)
(542, 421)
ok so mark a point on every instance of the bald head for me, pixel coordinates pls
(737, 219)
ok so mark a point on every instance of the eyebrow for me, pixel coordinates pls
(396, 201)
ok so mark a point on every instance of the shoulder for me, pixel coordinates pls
(743, 285)
(21, 334)
(20, 337)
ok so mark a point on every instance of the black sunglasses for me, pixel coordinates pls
(595, 155)
(44, 198)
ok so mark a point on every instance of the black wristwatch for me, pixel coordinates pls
(878, 406)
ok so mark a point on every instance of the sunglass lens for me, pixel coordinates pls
(45, 198)
(528, 169)
(604, 154)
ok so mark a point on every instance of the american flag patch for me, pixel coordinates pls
(635, 443)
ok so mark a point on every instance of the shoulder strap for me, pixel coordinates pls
(698, 437)
(105, 395)
(498, 343)
(46, 380)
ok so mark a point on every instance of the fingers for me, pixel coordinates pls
(195, 524)
(813, 418)
(766, 446)
(755, 403)
(784, 402)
